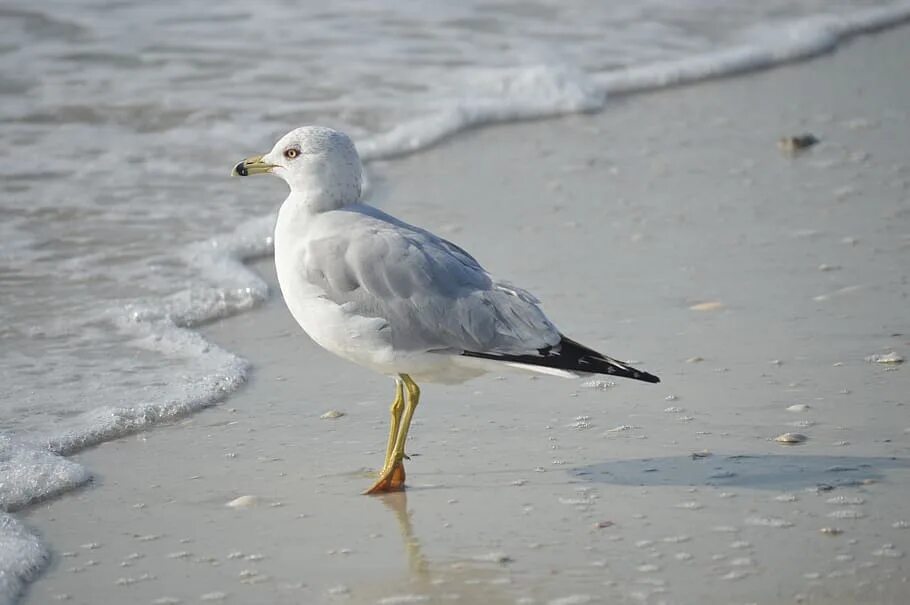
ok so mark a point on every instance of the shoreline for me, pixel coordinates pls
(659, 155)
(807, 39)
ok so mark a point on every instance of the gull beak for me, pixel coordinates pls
(252, 165)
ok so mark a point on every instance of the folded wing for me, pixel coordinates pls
(434, 296)
(431, 294)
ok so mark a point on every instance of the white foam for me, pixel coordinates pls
(537, 91)
(496, 95)
(22, 556)
(166, 327)
(28, 474)
(33, 469)
(761, 47)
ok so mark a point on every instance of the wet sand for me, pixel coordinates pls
(669, 230)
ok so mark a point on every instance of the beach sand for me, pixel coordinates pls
(668, 229)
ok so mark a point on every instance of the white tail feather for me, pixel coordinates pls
(544, 370)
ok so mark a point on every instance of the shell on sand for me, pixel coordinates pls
(891, 357)
(791, 438)
(713, 305)
(792, 144)
(244, 502)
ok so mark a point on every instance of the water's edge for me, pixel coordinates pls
(169, 326)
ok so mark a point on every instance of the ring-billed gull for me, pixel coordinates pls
(396, 298)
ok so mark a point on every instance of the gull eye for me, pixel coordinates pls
(291, 153)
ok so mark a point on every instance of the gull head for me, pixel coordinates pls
(318, 163)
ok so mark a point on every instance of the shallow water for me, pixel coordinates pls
(121, 122)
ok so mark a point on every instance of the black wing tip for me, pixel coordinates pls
(599, 363)
(645, 377)
(573, 357)
(613, 368)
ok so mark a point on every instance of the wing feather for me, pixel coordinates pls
(432, 294)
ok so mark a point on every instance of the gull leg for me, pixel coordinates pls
(384, 483)
(391, 479)
(395, 411)
(412, 401)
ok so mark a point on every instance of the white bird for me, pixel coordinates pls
(396, 298)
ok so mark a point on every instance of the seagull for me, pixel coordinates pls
(396, 298)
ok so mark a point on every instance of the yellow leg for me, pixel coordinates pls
(410, 407)
(395, 410)
(391, 478)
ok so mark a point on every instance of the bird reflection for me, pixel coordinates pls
(397, 502)
(452, 579)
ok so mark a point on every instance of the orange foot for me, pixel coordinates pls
(390, 480)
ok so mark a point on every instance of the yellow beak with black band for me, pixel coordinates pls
(252, 165)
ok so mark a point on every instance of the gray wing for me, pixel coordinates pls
(432, 294)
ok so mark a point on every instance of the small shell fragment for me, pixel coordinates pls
(831, 531)
(243, 502)
(799, 142)
(494, 557)
(620, 428)
(889, 358)
(798, 407)
(332, 414)
(791, 438)
(712, 305)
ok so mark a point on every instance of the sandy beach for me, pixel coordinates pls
(668, 229)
